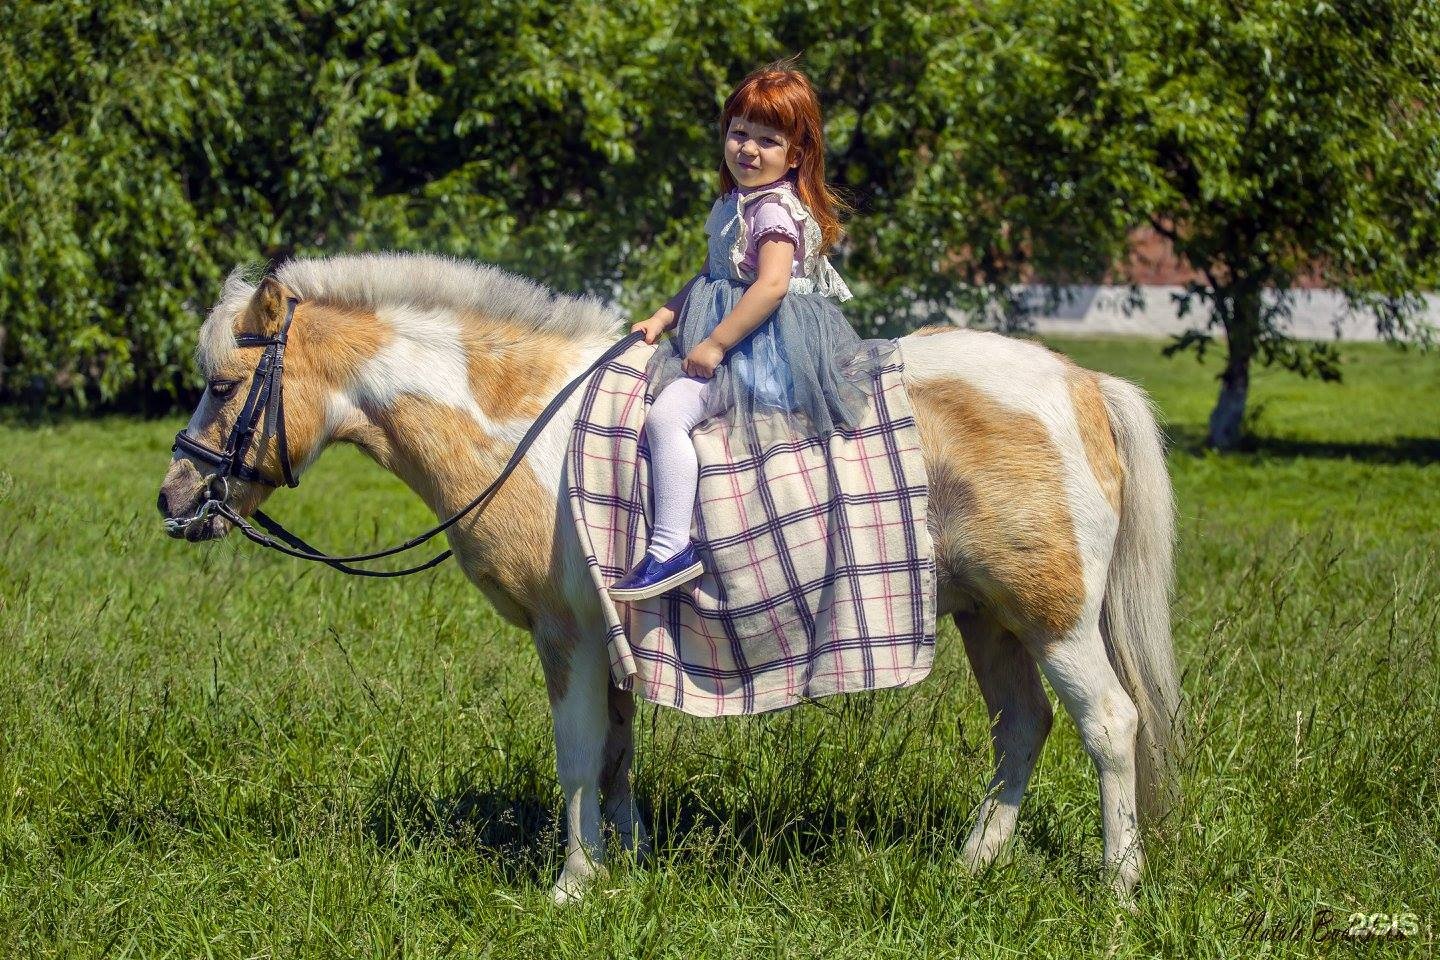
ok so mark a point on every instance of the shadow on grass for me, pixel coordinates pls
(693, 827)
(1402, 450)
(514, 827)
(518, 833)
(522, 834)
(869, 772)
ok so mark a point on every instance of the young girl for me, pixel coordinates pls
(759, 339)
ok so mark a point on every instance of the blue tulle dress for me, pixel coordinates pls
(804, 370)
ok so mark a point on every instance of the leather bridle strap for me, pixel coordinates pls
(266, 396)
(294, 546)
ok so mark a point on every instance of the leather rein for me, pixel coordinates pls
(266, 399)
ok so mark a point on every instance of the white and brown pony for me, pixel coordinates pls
(1050, 508)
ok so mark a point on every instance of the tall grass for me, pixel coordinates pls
(206, 750)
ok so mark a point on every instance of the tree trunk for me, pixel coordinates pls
(1242, 323)
(1229, 412)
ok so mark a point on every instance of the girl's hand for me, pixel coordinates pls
(657, 324)
(702, 361)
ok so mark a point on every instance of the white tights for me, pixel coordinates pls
(674, 467)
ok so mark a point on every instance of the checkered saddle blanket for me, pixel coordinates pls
(819, 568)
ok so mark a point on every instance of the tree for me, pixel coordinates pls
(150, 146)
(1266, 141)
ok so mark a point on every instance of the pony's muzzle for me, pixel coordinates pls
(186, 503)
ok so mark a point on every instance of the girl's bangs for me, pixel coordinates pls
(770, 107)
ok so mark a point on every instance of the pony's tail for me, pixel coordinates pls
(1135, 614)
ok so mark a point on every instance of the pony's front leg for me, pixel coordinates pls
(578, 685)
(620, 807)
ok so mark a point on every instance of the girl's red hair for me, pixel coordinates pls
(781, 97)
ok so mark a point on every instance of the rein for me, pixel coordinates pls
(267, 397)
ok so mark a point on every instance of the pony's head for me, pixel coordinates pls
(231, 351)
(433, 366)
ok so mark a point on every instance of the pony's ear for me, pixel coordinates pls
(267, 308)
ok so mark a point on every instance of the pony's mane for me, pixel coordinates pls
(375, 281)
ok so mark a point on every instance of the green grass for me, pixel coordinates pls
(207, 750)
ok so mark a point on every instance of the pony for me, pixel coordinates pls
(1050, 508)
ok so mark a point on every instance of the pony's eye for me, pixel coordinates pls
(222, 388)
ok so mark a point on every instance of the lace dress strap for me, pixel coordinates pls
(820, 276)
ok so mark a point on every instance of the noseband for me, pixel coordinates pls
(266, 398)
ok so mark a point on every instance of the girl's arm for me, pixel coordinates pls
(772, 280)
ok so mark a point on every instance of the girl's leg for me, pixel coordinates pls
(674, 467)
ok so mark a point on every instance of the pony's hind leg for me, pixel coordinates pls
(1080, 672)
(620, 807)
(1020, 719)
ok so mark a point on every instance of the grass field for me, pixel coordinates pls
(207, 751)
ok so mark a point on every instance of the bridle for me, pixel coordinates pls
(266, 398)
(266, 385)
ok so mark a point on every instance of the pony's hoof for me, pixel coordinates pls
(980, 855)
(566, 892)
(1124, 878)
(575, 882)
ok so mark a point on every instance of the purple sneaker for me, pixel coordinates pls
(652, 577)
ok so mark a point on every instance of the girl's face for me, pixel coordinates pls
(756, 154)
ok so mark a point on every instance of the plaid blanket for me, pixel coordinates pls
(819, 568)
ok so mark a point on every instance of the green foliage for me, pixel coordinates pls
(150, 146)
(157, 144)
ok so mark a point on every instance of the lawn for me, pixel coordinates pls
(210, 751)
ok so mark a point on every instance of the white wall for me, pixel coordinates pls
(1097, 309)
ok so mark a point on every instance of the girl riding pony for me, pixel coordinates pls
(759, 340)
